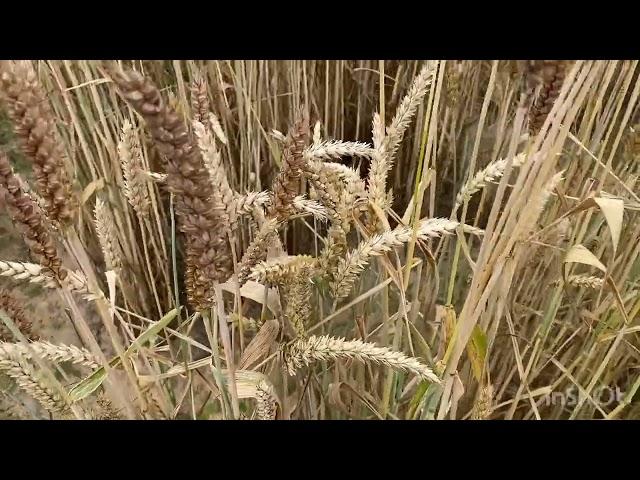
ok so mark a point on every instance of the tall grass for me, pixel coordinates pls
(323, 239)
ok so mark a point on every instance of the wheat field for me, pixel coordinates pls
(319, 239)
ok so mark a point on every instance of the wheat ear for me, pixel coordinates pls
(335, 149)
(385, 149)
(585, 281)
(304, 352)
(108, 236)
(30, 220)
(14, 310)
(353, 264)
(277, 271)
(35, 126)
(135, 181)
(482, 178)
(50, 351)
(27, 379)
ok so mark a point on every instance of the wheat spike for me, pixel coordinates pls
(36, 127)
(49, 351)
(304, 352)
(27, 379)
(30, 220)
(335, 149)
(32, 272)
(257, 249)
(245, 204)
(487, 175)
(266, 402)
(217, 128)
(585, 281)
(298, 299)
(199, 98)
(208, 256)
(108, 236)
(350, 267)
(223, 195)
(287, 183)
(310, 207)
(482, 406)
(135, 184)
(14, 310)
(277, 271)
(385, 149)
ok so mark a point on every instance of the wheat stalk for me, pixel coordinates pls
(304, 352)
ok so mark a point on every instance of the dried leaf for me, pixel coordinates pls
(579, 254)
(613, 211)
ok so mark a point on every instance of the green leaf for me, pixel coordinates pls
(477, 350)
(90, 384)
